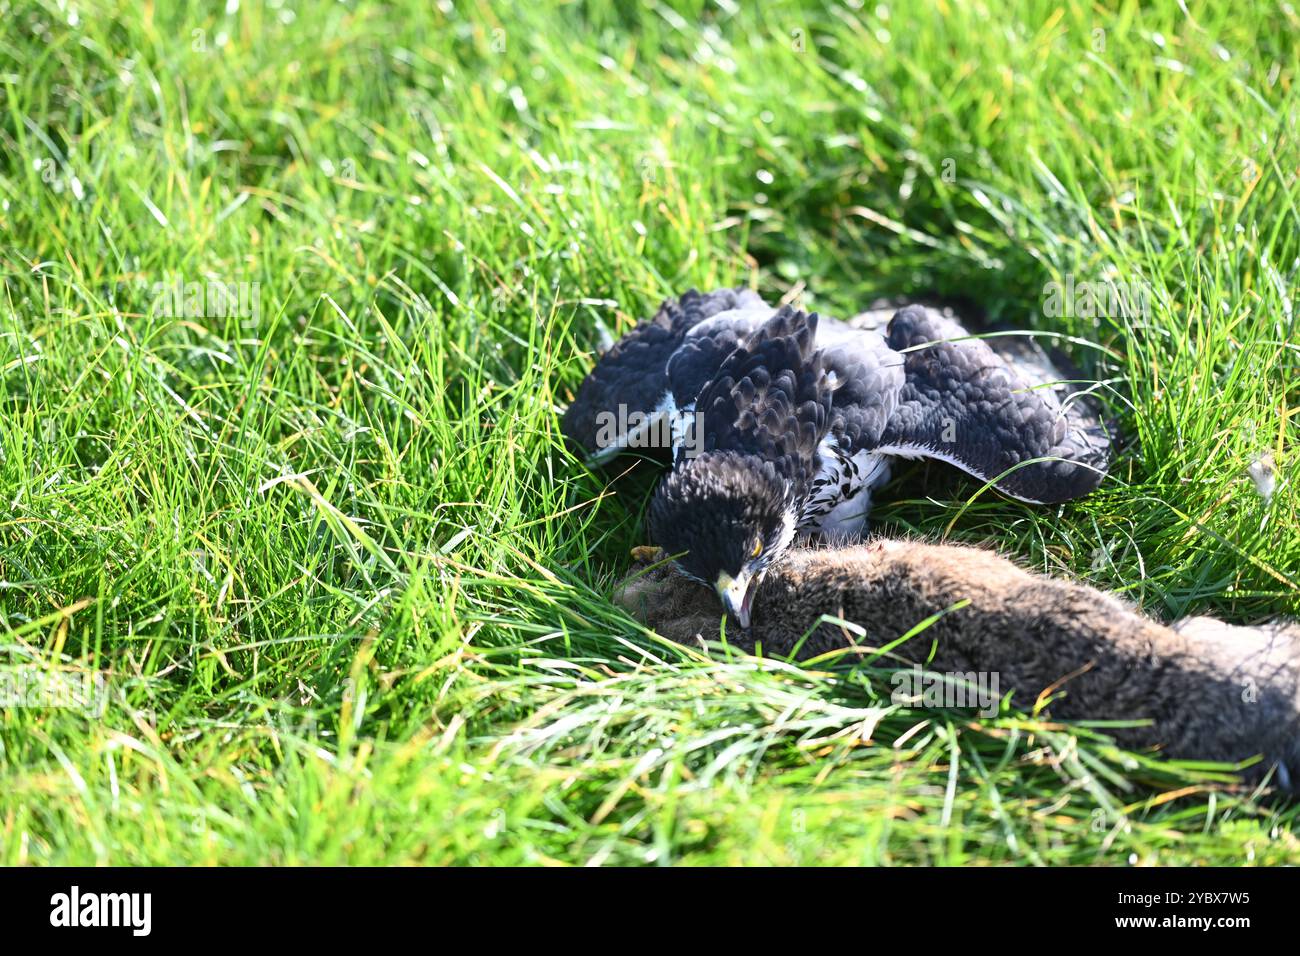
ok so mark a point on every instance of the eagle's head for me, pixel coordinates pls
(724, 517)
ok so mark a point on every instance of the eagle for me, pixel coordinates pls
(781, 423)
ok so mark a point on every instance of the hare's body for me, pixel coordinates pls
(1211, 691)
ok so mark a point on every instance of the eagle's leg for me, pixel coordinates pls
(846, 522)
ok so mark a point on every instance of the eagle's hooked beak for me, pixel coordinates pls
(737, 595)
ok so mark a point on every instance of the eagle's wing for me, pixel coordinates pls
(707, 345)
(868, 378)
(771, 397)
(633, 376)
(990, 415)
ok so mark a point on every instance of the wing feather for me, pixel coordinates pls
(964, 403)
(633, 374)
(771, 397)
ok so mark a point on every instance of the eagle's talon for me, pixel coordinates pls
(647, 554)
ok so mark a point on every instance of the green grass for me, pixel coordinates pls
(348, 592)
